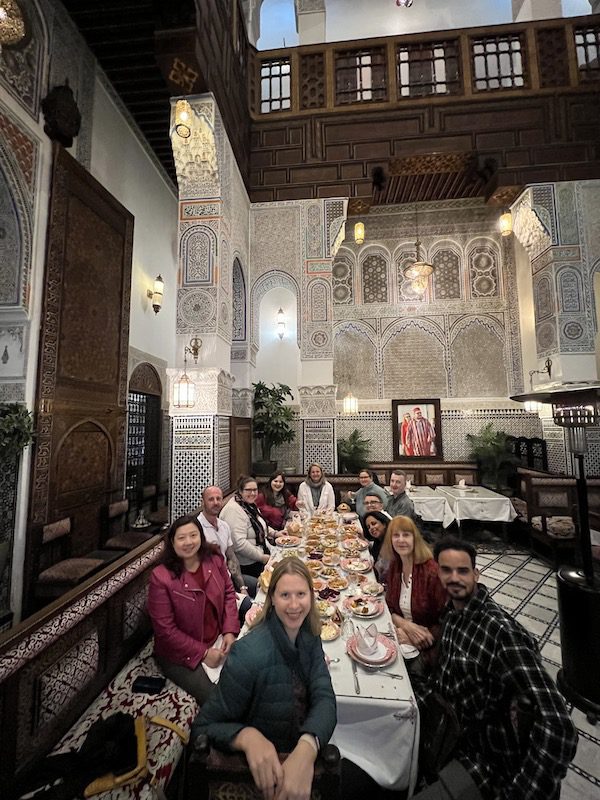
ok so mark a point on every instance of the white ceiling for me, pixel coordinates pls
(346, 19)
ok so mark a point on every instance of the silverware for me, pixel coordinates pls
(354, 672)
(380, 671)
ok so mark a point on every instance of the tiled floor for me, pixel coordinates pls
(526, 587)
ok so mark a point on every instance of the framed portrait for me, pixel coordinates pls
(416, 429)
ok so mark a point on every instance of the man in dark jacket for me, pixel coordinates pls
(487, 664)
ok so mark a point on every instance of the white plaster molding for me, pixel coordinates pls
(196, 158)
(529, 230)
(317, 402)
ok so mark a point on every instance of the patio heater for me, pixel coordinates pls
(577, 407)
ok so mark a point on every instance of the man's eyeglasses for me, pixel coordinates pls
(252, 491)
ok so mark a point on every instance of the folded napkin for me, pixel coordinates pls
(462, 483)
(409, 484)
(366, 640)
(214, 672)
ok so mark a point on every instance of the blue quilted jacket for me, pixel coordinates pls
(256, 689)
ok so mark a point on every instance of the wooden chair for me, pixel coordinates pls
(116, 535)
(57, 571)
(226, 776)
(551, 509)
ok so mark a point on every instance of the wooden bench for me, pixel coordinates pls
(165, 748)
(55, 666)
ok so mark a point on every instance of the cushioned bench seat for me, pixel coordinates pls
(165, 748)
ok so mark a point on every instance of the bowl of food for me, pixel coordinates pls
(329, 631)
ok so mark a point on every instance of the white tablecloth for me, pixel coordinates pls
(478, 503)
(379, 729)
(430, 506)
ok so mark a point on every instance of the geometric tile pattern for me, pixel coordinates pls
(319, 443)
(446, 278)
(66, 677)
(526, 588)
(222, 452)
(192, 461)
(374, 275)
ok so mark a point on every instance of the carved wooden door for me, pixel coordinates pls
(79, 453)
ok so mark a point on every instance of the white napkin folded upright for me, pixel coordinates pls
(214, 672)
(366, 640)
(462, 483)
(409, 484)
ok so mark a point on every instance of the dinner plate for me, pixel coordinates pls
(314, 567)
(375, 607)
(355, 544)
(325, 608)
(329, 631)
(288, 541)
(463, 488)
(355, 565)
(338, 583)
(318, 584)
(386, 654)
(373, 589)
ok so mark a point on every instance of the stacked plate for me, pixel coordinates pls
(385, 654)
(364, 607)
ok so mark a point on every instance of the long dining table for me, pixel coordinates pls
(378, 720)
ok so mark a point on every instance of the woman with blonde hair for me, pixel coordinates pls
(414, 593)
(275, 694)
(315, 494)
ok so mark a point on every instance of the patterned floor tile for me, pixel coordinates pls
(534, 626)
(506, 601)
(551, 652)
(537, 612)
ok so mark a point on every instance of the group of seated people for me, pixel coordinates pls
(270, 691)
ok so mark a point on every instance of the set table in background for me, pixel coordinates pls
(430, 505)
(478, 503)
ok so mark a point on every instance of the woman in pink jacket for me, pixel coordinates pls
(191, 602)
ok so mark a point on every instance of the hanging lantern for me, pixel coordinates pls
(505, 223)
(359, 232)
(184, 392)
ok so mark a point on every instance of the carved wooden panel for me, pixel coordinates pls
(82, 388)
(144, 379)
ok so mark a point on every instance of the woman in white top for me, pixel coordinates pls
(249, 529)
(315, 494)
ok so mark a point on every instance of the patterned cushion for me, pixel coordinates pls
(56, 530)
(164, 746)
(71, 570)
(127, 540)
(118, 508)
(557, 527)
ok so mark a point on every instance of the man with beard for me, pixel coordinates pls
(488, 667)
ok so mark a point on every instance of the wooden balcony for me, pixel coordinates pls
(512, 104)
(513, 60)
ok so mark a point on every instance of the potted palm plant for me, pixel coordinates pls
(272, 422)
(494, 454)
(353, 453)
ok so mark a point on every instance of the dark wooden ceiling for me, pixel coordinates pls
(121, 34)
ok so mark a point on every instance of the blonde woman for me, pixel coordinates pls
(275, 693)
(414, 593)
(315, 494)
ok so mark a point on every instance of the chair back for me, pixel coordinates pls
(114, 518)
(55, 543)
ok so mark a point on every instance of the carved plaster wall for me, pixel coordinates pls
(461, 339)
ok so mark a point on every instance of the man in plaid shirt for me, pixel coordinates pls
(486, 662)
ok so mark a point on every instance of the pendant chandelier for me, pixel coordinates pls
(12, 24)
(418, 273)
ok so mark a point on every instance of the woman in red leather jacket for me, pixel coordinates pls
(414, 593)
(191, 603)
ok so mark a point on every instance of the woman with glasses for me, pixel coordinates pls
(249, 529)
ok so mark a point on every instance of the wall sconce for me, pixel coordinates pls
(193, 348)
(350, 404)
(547, 369)
(280, 323)
(359, 232)
(156, 294)
(505, 223)
(183, 119)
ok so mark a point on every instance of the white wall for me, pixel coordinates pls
(278, 361)
(526, 311)
(122, 165)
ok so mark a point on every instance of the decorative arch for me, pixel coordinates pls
(543, 298)
(274, 279)
(413, 355)
(570, 289)
(319, 302)
(198, 251)
(489, 322)
(483, 259)
(239, 302)
(446, 257)
(22, 66)
(342, 276)
(479, 358)
(145, 379)
(374, 274)
(356, 362)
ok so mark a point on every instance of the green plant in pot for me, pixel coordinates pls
(272, 422)
(494, 454)
(353, 452)
(16, 429)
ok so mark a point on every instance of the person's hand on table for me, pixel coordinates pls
(228, 640)
(262, 759)
(214, 656)
(298, 770)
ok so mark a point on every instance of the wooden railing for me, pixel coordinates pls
(542, 56)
